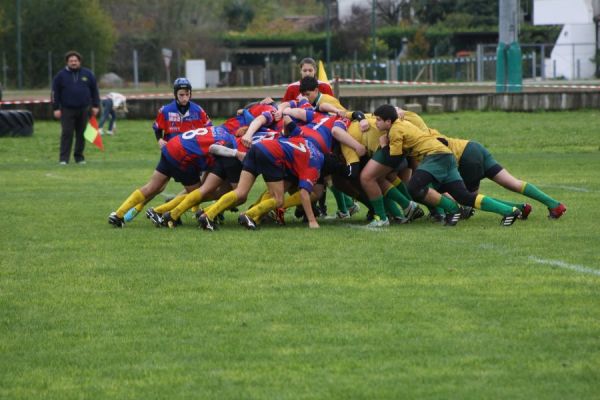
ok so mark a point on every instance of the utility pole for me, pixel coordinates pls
(328, 42)
(509, 67)
(19, 55)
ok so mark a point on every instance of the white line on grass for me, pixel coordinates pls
(556, 263)
(562, 264)
(366, 227)
(50, 175)
(573, 188)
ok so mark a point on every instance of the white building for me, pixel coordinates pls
(575, 49)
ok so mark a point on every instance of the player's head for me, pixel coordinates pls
(182, 90)
(73, 59)
(386, 115)
(309, 87)
(308, 67)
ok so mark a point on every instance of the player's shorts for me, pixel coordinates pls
(397, 163)
(441, 166)
(186, 178)
(227, 168)
(257, 163)
(475, 164)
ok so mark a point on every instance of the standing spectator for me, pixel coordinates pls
(308, 67)
(113, 101)
(74, 90)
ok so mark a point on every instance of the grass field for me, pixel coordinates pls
(412, 311)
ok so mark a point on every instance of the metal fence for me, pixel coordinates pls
(477, 66)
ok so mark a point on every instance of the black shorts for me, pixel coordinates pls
(257, 163)
(186, 178)
(227, 168)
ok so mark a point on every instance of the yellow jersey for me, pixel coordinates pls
(405, 138)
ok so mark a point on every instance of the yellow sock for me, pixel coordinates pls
(207, 208)
(140, 206)
(134, 199)
(169, 205)
(226, 201)
(292, 200)
(261, 209)
(264, 196)
(192, 198)
(478, 201)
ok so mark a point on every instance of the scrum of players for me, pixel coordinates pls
(389, 160)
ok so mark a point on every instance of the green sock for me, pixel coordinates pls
(492, 205)
(339, 199)
(404, 190)
(448, 205)
(349, 201)
(532, 191)
(379, 208)
(392, 207)
(436, 210)
(512, 204)
(395, 195)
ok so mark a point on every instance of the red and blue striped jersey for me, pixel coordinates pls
(189, 150)
(297, 155)
(318, 129)
(263, 134)
(247, 116)
(170, 122)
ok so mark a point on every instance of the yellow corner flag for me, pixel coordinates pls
(322, 73)
(91, 133)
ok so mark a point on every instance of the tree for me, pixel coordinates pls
(391, 11)
(431, 12)
(52, 28)
(190, 28)
(238, 14)
(483, 12)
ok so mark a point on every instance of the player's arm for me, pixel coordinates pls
(307, 206)
(254, 126)
(331, 108)
(296, 113)
(159, 131)
(206, 121)
(342, 136)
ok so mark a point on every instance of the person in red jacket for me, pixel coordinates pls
(308, 67)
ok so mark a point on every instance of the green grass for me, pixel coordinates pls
(417, 311)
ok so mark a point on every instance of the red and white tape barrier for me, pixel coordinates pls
(341, 81)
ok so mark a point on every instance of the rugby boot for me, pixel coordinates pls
(246, 221)
(557, 212)
(206, 223)
(527, 209)
(115, 220)
(452, 219)
(155, 217)
(510, 219)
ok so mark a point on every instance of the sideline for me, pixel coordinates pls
(564, 265)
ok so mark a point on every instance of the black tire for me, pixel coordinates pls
(16, 123)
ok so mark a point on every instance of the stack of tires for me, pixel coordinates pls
(16, 123)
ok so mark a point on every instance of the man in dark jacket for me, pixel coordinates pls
(74, 90)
